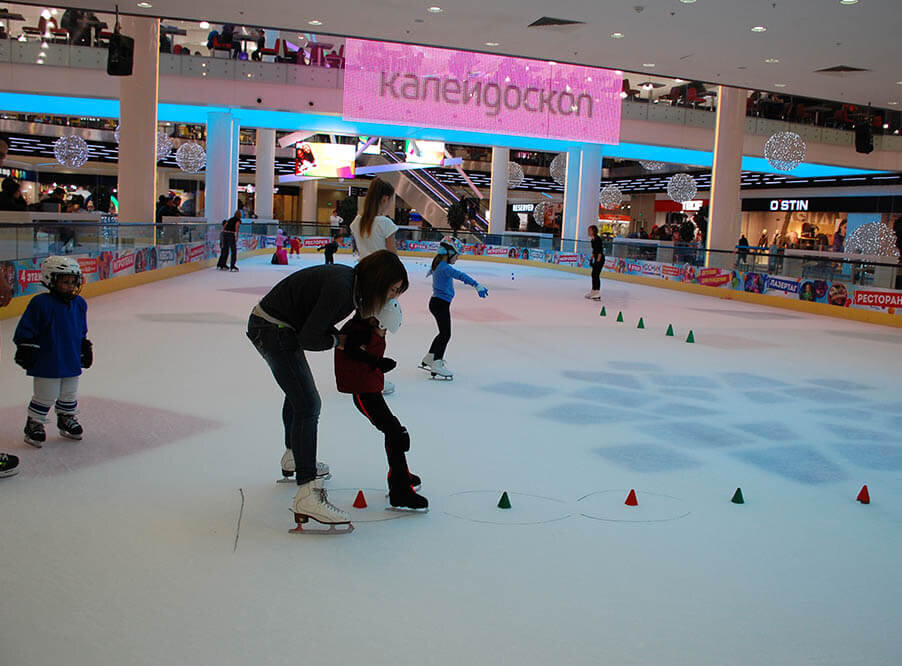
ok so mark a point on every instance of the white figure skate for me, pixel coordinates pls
(439, 370)
(311, 501)
(387, 389)
(288, 468)
(426, 363)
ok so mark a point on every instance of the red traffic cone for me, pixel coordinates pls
(863, 495)
(360, 500)
(631, 499)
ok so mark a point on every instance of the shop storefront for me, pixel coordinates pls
(814, 223)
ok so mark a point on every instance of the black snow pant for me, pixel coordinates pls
(441, 310)
(397, 440)
(596, 274)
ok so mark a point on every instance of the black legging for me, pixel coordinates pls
(228, 245)
(441, 310)
(596, 273)
(397, 441)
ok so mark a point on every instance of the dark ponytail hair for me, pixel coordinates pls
(377, 189)
(375, 274)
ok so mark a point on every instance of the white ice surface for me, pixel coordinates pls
(119, 549)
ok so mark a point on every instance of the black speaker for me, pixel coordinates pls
(864, 139)
(121, 55)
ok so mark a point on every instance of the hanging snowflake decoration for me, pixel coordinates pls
(784, 151)
(116, 132)
(681, 187)
(558, 168)
(611, 197)
(191, 157)
(164, 145)
(651, 165)
(514, 175)
(71, 151)
(873, 238)
(539, 212)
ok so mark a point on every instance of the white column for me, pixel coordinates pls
(138, 120)
(221, 192)
(589, 189)
(266, 170)
(571, 195)
(309, 193)
(498, 191)
(726, 211)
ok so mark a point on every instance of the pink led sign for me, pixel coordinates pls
(446, 89)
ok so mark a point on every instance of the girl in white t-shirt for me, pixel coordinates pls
(373, 231)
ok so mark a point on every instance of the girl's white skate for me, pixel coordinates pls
(439, 370)
(312, 501)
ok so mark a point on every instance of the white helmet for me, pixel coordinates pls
(389, 317)
(52, 267)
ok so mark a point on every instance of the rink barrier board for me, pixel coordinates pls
(91, 289)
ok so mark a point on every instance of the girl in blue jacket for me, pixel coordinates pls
(440, 304)
(52, 345)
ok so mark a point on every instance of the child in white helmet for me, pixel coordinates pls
(360, 367)
(440, 304)
(52, 345)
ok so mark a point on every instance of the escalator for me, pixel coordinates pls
(423, 192)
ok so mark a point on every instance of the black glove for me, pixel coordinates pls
(27, 354)
(87, 353)
(386, 364)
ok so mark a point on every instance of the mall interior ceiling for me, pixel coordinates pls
(841, 50)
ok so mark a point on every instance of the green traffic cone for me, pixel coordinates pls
(737, 497)
(691, 337)
(620, 317)
(504, 502)
(669, 330)
(641, 323)
(603, 312)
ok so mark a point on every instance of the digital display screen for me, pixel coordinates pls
(322, 159)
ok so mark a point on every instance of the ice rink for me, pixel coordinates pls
(125, 548)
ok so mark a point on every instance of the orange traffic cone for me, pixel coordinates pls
(631, 499)
(360, 500)
(863, 495)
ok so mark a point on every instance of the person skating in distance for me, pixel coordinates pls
(442, 274)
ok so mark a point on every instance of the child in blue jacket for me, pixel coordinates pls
(440, 304)
(52, 345)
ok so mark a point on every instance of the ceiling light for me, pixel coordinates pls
(434, 9)
(41, 54)
(54, 11)
(892, 103)
(45, 14)
(771, 60)
(616, 35)
(40, 62)
(314, 22)
(779, 85)
(491, 43)
(145, 5)
(759, 28)
(848, 2)
(204, 25)
(680, 81)
(623, 95)
(885, 125)
(648, 64)
(687, 2)
(44, 44)
(899, 83)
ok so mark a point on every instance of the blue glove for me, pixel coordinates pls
(482, 290)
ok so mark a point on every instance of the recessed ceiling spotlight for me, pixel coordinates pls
(491, 43)
(680, 81)
(759, 28)
(899, 83)
(44, 44)
(145, 5)
(314, 22)
(204, 25)
(848, 2)
(648, 64)
(616, 35)
(892, 103)
(779, 85)
(434, 9)
(687, 2)
(771, 60)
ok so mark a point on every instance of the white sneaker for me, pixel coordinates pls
(426, 363)
(311, 501)
(288, 468)
(439, 368)
(388, 389)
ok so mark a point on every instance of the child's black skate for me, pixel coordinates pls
(69, 426)
(34, 433)
(404, 498)
(233, 269)
(9, 464)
